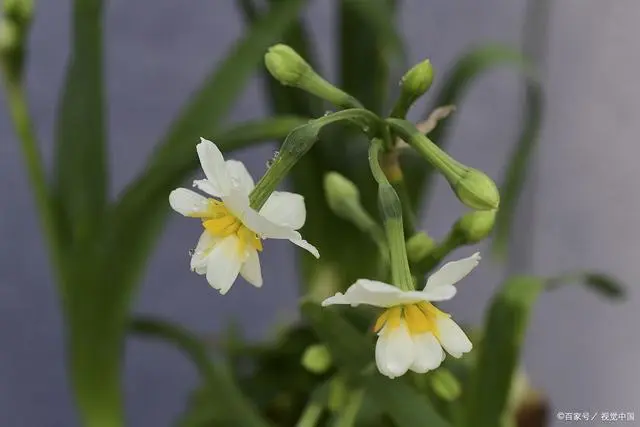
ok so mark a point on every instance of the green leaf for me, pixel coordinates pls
(605, 285)
(457, 82)
(80, 159)
(368, 42)
(600, 283)
(518, 166)
(499, 353)
(351, 351)
(404, 405)
(230, 405)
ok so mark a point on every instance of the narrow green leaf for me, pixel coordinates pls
(231, 406)
(499, 353)
(600, 283)
(350, 350)
(368, 42)
(404, 405)
(605, 285)
(518, 166)
(457, 82)
(80, 161)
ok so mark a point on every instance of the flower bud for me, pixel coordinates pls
(417, 81)
(419, 246)
(475, 226)
(476, 190)
(341, 194)
(286, 65)
(316, 359)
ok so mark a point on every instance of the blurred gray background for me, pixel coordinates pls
(581, 209)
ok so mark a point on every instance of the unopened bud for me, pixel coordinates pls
(286, 65)
(419, 246)
(476, 190)
(341, 194)
(417, 81)
(316, 359)
(475, 226)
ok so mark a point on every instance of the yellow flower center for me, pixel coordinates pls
(220, 222)
(420, 318)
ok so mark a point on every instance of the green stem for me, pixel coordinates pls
(299, 142)
(347, 417)
(391, 208)
(311, 415)
(448, 166)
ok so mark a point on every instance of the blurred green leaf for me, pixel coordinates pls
(230, 405)
(457, 82)
(600, 283)
(368, 42)
(518, 166)
(404, 405)
(351, 351)
(605, 285)
(499, 353)
(81, 174)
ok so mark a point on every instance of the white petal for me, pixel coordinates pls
(440, 293)
(285, 208)
(452, 272)
(394, 351)
(201, 252)
(452, 337)
(306, 245)
(374, 293)
(251, 269)
(208, 187)
(240, 177)
(213, 165)
(428, 353)
(224, 263)
(188, 203)
(238, 203)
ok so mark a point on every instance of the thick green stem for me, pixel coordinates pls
(391, 209)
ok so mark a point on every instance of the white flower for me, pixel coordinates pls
(233, 231)
(412, 332)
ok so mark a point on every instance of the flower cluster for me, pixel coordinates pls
(237, 215)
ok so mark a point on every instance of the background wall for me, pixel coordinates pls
(581, 212)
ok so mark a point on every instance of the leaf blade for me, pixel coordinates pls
(80, 168)
(499, 352)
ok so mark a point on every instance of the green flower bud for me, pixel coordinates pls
(445, 384)
(475, 226)
(341, 194)
(419, 246)
(286, 65)
(291, 69)
(476, 190)
(413, 85)
(316, 359)
(417, 81)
